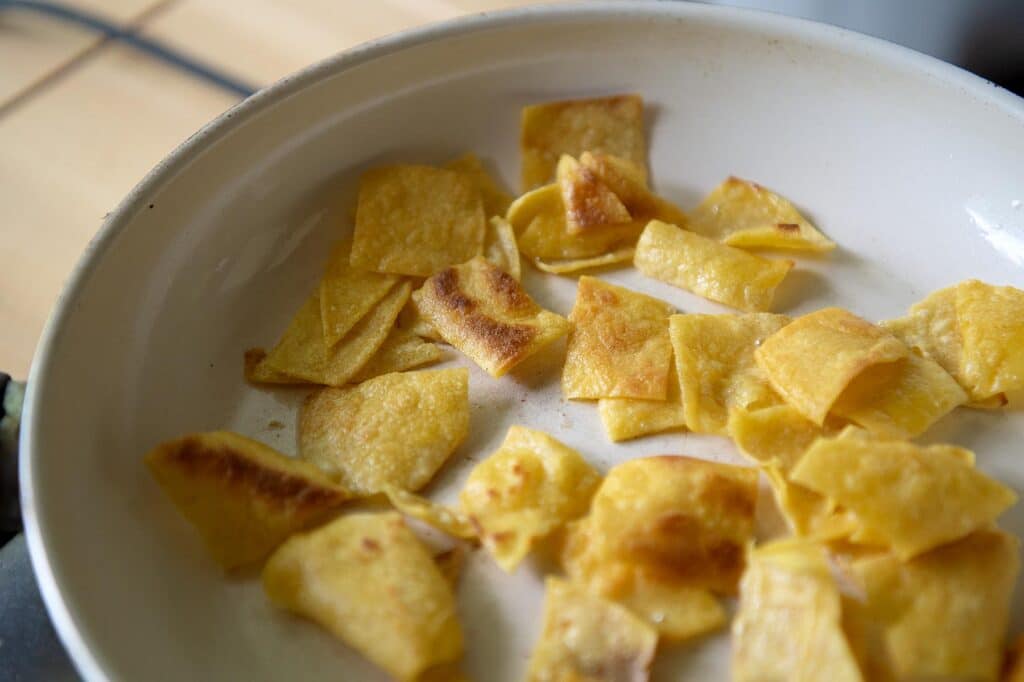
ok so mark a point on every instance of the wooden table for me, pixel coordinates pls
(83, 117)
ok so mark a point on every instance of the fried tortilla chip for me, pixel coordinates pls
(790, 622)
(676, 610)
(627, 181)
(396, 429)
(531, 486)
(900, 399)
(496, 200)
(991, 321)
(777, 438)
(915, 497)
(589, 203)
(416, 220)
(500, 246)
(812, 360)
(707, 268)
(412, 321)
(683, 520)
(742, 213)
(943, 614)
(481, 310)
(626, 418)
(445, 519)
(614, 125)
(302, 353)
(242, 496)
(715, 361)
(539, 221)
(619, 345)
(563, 267)
(590, 639)
(368, 580)
(931, 328)
(401, 350)
(348, 294)
(257, 371)
(811, 515)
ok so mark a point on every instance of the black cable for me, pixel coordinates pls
(165, 54)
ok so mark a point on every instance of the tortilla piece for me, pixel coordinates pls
(812, 360)
(789, 626)
(500, 247)
(242, 496)
(348, 294)
(445, 519)
(590, 639)
(619, 345)
(943, 614)
(811, 515)
(915, 497)
(495, 200)
(677, 611)
(931, 328)
(626, 418)
(539, 221)
(715, 361)
(367, 579)
(744, 214)
(707, 268)
(900, 399)
(563, 267)
(301, 352)
(777, 438)
(411, 320)
(606, 124)
(589, 203)
(991, 321)
(531, 486)
(401, 350)
(257, 371)
(416, 220)
(396, 429)
(481, 310)
(685, 521)
(628, 182)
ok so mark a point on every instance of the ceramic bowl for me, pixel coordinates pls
(913, 166)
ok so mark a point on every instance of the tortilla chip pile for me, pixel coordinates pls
(894, 568)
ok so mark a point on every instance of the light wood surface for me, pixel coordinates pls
(85, 118)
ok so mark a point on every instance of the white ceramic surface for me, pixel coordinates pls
(914, 167)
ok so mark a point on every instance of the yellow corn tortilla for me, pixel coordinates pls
(605, 124)
(392, 430)
(416, 220)
(715, 361)
(745, 214)
(485, 313)
(707, 268)
(619, 345)
(812, 360)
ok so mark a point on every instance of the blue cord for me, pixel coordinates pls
(166, 54)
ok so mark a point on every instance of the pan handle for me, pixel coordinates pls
(11, 395)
